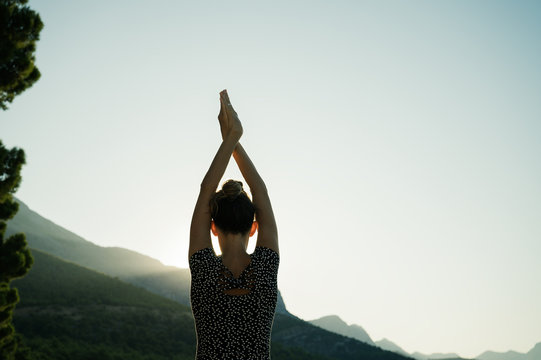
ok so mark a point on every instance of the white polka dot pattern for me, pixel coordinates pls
(236, 327)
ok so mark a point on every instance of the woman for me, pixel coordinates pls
(233, 296)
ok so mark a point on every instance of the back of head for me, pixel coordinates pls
(231, 208)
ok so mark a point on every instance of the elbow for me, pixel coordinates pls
(260, 188)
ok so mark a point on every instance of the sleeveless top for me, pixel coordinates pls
(236, 327)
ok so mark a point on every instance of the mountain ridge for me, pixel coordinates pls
(387, 344)
(533, 354)
(71, 312)
(335, 324)
(168, 281)
(43, 234)
(128, 265)
(293, 338)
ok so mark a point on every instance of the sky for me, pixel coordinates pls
(399, 141)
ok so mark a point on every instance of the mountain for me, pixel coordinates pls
(386, 344)
(335, 324)
(389, 345)
(296, 333)
(130, 266)
(43, 234)
(72, 312)
(69, 312)
(75, 312)
(509, 355)
(435, 356)
(533, 354)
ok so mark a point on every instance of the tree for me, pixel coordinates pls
(15, 257)
(19, 30)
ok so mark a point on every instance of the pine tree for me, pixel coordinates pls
(15, 257)
(19, 30)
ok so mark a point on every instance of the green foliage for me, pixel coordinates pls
(55, 282)
(8, 297)
(11, 162)
(296, 333)
(19, 30)
(71, 312)
(15, 257)
(279, 351)
(60, 298)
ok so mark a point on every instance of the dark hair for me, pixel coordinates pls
(231, 208)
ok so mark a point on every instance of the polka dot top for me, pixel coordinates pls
(233, 316)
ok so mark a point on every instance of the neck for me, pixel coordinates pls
(233, 244)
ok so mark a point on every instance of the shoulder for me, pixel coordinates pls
(266, 254)
(201, 257)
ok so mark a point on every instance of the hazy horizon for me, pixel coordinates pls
(399, 142)
(284, 298)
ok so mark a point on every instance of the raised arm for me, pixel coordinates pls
(201, 218)
(267, 230)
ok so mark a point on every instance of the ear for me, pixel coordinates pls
(253, 229)
(213, 228)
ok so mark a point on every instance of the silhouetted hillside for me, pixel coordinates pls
(72, 312)
(436, 356)
(335, 324)
(43, 234)
(387, 344)
(128, 265)
(533, 354)
(294, 332)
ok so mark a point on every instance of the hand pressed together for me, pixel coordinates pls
(229, 120)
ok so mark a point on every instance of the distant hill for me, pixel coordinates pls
(43, 234)
(335, 324)
(73, 312)
(435, 356)
(533, 354)
(297, 333)
(133, 267)
(68, 312)
(391, 346)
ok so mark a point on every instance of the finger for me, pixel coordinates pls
(226, 98)
(222, 104)
(222, 110)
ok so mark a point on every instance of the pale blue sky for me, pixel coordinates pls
(399, 141)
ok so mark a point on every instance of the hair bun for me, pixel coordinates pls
(232, 189)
